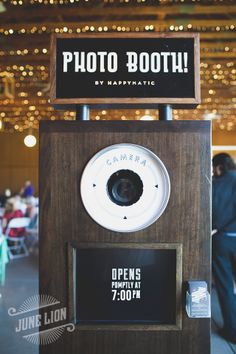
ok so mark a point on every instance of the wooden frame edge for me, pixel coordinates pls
(126, 327)
(128, 35)
(134, 100)
(52, 93)
(197, 86)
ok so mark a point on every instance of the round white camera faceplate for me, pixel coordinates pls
(125, 157)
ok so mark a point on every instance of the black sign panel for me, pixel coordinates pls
(150, 69)
(126, 286)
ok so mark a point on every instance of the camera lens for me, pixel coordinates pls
(124, 187)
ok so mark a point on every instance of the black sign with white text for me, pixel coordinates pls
(125, 68)
(126, 286)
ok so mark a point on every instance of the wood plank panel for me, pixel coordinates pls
(184, 147)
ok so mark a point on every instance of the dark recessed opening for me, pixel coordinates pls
(124, 187)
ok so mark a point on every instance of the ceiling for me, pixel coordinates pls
(26, 26)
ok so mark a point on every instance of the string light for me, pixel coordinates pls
(30, 140)
(146, 117)
(31, 100)
(114, 28)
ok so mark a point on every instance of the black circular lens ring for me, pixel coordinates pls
(124, 187)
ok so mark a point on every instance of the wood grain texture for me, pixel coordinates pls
(184, 148)
(175, 101)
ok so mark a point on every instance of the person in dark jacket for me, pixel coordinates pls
(224, 239)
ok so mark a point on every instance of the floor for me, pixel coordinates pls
(22, 282)
(219, 345)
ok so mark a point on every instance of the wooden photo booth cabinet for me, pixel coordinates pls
(181, 235)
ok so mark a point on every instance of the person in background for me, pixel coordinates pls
(31, 208)
(28, 190)
(4, 197)
(32, 229)
(12, 210)
(21, 203)
(7, 193)
(224, 239)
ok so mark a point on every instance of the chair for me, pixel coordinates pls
(19, 249)
(32, 234)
